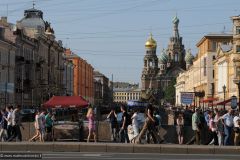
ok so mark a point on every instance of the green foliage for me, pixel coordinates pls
(169, 92)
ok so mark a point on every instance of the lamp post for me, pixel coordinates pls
(212, 94)
(224, 91)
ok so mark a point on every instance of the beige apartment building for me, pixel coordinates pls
(227, 66)
(200, 73)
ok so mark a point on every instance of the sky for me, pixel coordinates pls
(110, 34)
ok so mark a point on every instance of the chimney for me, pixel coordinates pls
(68, 51)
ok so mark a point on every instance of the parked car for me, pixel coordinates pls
(28, 115)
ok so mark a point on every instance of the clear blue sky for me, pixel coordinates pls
(110, 34)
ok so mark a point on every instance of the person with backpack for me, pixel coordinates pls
(126, 120)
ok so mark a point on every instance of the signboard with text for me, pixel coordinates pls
(187, 97)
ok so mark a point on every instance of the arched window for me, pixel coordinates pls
(176, 57)
(150, 63)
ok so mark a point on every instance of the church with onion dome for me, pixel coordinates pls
(159, 71)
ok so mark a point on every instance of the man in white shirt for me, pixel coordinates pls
(236, 122)
(228, 126)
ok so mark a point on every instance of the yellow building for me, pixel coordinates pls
(199, 76)
(122, 95)
(227, 65)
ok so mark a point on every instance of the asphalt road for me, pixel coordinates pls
(132, 156)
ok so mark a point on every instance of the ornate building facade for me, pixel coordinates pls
(158, 72)
(39, 63)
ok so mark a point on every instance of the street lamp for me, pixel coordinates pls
(212, 94)
(224, 91)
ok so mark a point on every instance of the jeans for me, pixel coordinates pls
(114, 134)
(220, 138)
(228, 133)
(124, 135)
(197, 136)
(148, 126)
(9, 131)
(16, 133)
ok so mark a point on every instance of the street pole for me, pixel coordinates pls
(224, 90)
(238, 95)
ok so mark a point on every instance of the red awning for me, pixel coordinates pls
(223, 102)
(209, 99)
(66, 101)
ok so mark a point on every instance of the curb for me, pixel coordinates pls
(116, 148)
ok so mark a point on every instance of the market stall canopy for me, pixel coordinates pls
(209, 99)
(66, 101)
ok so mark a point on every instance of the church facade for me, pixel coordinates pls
(159, 72)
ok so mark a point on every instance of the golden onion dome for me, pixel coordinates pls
(151, 43)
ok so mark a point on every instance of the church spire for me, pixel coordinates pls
(175, 27)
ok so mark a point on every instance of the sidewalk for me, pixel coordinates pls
(116, 148)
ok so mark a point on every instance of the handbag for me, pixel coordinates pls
(236, 129)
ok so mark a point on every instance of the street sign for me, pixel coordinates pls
(187, 97)
(234, 102)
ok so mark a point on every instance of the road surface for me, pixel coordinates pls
(135, 156)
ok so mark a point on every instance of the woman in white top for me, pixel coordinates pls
(220, 127)
(213, 128)
(37, 126)
(135, 123)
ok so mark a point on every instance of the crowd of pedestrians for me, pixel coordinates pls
(211, 127)
(132, 129)
(219, 127)
(43, 126)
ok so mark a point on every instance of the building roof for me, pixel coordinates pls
(126, 90)
(214, 35)
(226, 47)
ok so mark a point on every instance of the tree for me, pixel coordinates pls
(169, 91)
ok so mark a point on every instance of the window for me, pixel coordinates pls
(205, 66)
(238, 48)
(213, 57)
(176, 57)
(237, 29)
(213, 46)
